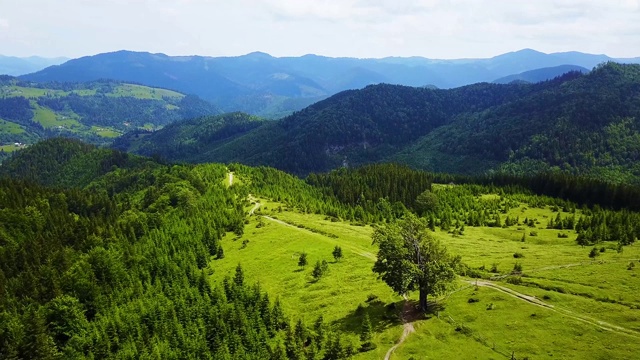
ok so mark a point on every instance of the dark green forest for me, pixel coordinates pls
(579, 124)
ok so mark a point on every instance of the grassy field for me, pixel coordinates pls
(569, 306)
(144, 92)
(9, 148)
(105, 132)
(49, 119)
(10, 127)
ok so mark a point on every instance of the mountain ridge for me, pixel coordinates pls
(472, 129)
(258, 82)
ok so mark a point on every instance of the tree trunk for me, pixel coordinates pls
(423, 299)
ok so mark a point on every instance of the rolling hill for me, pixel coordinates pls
(264, 85)
(96, 111)
(579, 123)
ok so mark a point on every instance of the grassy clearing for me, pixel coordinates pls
(9, 127)
(586, 297)
(105, 132)
(144, 92)
(49, 119)
(10, 147)
(271, 258)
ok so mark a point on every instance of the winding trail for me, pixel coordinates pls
(351, 248)
(568, 313)
(407, 327)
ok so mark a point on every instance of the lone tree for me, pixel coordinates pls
(302, 261)
(409, 258)
(320, 269)
(337, 253)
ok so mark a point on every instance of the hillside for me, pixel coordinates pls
(263, 85)
(134, 258)
(96, 111)
(538, 75)
(582, 124)
(189, 138)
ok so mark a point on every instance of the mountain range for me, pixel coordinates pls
(578, 123)
(14, 66)
(268, 86)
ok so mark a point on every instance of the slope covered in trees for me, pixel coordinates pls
(117, 266)
(581, 124)
(190, 138)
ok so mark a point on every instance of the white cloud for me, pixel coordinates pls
(362, 28)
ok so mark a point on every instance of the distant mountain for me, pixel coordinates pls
(261, 84)
(579, 123)
(538, 75)
(10, 65)
(95, 111)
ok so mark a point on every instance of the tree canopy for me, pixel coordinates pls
(409, 259)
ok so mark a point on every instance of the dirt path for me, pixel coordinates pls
(407, 327)
(230, 178)
(535, 301)
(351, 248)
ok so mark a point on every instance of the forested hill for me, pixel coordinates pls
(95, 112)
(190, 138)
(113, 261)
(583, 124)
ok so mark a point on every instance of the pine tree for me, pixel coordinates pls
(337, 253)
(302, 260)
(238, 279)
(366, 334)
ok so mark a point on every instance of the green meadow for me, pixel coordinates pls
(564, 305)
(143, 92)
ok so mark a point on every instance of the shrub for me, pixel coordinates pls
(631, 265)
(602, 249)
(533, 233)
(514, 280)
(518, 255)
(473, 300)
(563, 235)
(593, 253)
(517, 267)
(494, 268)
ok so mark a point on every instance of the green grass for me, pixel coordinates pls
(587, 297)
(9, 127)
(10, 147)
(144, 92)
(105, 132)
(49, 119)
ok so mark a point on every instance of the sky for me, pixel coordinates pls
(440, 29)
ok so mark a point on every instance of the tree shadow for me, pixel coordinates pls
(411, 310)
(298, 270)
(381, 315)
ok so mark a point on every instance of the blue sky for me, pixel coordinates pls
(356, 28)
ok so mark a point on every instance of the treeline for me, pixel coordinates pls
(17, 109)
